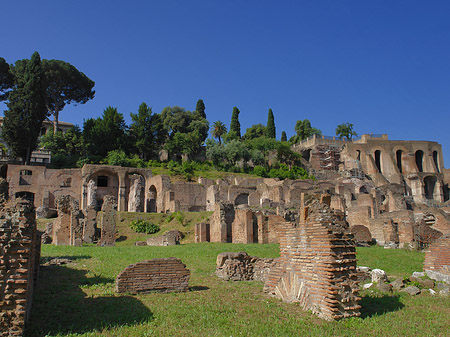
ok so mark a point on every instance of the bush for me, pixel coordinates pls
(143, 226)
(176, 215)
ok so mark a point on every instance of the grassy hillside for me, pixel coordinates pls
(78, 299)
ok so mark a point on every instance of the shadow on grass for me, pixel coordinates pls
(378, 305)
(121, 238)
(198, 288)
(60, 306)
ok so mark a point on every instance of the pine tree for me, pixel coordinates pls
(270, 128)
(235, 126)
(283, 136)
(26, 108)
(200, 108)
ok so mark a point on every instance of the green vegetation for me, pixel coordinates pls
(79, 298)
(345, 130)
(143, 226)
(270, 127)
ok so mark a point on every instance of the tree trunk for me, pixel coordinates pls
(26, 161)
(55, 122)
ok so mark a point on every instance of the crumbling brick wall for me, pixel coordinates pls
(437, 257)
(317, 265)
(19, 263)
(108, 221)
(242, 267)
(162, 275)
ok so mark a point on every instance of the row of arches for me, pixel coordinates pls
(418, 158)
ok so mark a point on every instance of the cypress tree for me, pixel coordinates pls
(200, 108)
(235, 126)
(283, 136)
(26, 108)
(270, 128)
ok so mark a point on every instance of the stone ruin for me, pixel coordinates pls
(159, 275)
(437, 260)
(136, 195)
(19, 265)
(242, 267)
(316, 267)
(108, 222)
(170, 238)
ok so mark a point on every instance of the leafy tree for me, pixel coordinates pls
(215, 152)
(270, 128)
(200, 108)
(304, 130)
(67, 148)
(345, 130)
(105, 133)
(255, 131)
(186, 131)
(6, 79)
(26, 108)
(218, 130)
(65, 84)
(235, 151)
(283, 136)
(147, 132)
(235, 126)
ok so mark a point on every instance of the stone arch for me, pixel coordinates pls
(436, 160)
(429, 186)
(306, 154)
(377, 156)
(418, 155)
(363, 190)
(152, 197)
(25, 195)
(241, 199)
(358, 155)
(255, 228)
(398, 157)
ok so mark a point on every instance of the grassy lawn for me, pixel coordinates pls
(78, 299)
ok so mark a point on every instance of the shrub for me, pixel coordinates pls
(143, 226)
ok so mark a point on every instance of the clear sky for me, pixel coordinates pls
(382, 65)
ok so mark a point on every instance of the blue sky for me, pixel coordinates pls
(382, 65)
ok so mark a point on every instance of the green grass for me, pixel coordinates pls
(78, 299)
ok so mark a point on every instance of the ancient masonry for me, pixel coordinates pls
(108, 222)
(242, 267)
(19, 263)
(437, 260)
(162, 275)
(317, 265)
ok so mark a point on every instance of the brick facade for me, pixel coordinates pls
(19, 263)
(437, 258)
(162, 275)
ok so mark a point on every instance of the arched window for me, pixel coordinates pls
(378, 160)
(419, 160)
(436, 160)
(358, 155)
(102, 181)
(398, 156)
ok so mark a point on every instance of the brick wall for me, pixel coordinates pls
(437, 257)
(162, 275)
(19, 263)
(317, 266)
(242, 267)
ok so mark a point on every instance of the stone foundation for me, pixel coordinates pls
(437, 260)
(161, 275)
(19, 264)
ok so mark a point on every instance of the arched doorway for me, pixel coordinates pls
(152, 195)
(419, 160)
(398, 156)
(378, 160)
(429, 184)
(436, 160)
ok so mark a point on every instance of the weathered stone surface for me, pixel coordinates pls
(412, 290)
(378, 276)
(161, 275)
(91, 194)
(361, 234)
(444, 292)
(398, 284)
(136, 195)
(108, 222)
(385, 287)
(19, 263)
(242, 267)
(170, 238)
(67, 227)
(437, 260)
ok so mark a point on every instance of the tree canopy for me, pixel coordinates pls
(218, 129)
(6, 79)
(65, 84)
(345, 130)
(26, 108)
(255, 131)
(200, 108)
(304, 130)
